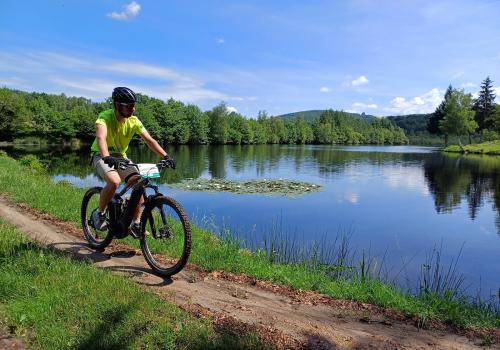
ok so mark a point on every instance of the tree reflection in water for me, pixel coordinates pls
(453, 177)
(450, 178)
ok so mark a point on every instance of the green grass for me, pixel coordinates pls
(65, 304)
(489, 147)
(212, 253)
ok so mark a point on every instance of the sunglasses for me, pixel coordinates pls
(126, 105)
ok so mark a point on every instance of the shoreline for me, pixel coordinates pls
(488, 148)
(211, 252)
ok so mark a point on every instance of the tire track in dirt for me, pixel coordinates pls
(285, 321)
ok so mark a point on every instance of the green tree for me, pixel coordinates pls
(276, 130)
(12, 111)
(198, 122)
(304, 131)
(438, 115)
(258, 130)
(458, 115)
(497, 118)
(261, 133)
(218, 124)
(324, 131)
(484, 105)
(176, 123)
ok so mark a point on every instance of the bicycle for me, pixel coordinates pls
(165, 235)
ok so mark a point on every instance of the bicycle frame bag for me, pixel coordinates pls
(148, 170)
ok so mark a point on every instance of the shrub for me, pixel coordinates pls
(32, 162)
(490, 135)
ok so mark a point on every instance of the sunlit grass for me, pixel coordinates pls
(490, 147)
(62, 303)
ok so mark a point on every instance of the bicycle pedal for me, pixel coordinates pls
(135, 231)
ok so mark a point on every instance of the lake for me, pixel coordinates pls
(396, 203)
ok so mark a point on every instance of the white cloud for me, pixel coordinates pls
(411, 178)
(133, 8)
(90, 88)
(231, 109)
(95, 77)
(220, 41)
(467, 85)
(350, 197)
(190, 95)
(11, 81)
(362, 80)
(130, 10)
(425, 103)
(360, 107)
(364, 105)
(324, 89)
(146, 70)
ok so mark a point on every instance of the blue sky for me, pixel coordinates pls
(378, 57)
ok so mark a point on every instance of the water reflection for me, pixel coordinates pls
(403, 200)
(449, 178)
(452, 178)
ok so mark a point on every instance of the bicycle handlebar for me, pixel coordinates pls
(125, 163)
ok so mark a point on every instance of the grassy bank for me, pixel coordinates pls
(490, 147)
(213, 253)
(61, 303)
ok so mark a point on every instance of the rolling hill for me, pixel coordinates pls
(315, 113)
(411, 123)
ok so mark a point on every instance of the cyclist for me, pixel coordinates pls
(114, 129)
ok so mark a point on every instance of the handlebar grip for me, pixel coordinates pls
(123, 163)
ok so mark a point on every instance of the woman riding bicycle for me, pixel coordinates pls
(114, 129)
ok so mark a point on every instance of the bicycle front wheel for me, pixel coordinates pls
(166, 236)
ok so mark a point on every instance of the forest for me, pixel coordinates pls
(61, 118)
(458, 114)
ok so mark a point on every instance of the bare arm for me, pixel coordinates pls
(100, 133)
(153, 144)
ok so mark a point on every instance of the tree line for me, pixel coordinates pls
(460, 114)
(60, 117)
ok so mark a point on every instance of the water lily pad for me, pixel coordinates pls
(263, 186)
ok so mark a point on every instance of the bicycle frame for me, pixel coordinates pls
(120, 220)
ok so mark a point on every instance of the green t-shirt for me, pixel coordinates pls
(119, 134)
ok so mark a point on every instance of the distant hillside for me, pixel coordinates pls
(411, 123)
(315, 113)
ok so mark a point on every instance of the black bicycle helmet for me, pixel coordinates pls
(124, 94)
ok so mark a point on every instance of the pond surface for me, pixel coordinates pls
(396, 203)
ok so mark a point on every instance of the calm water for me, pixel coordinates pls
(396, 201)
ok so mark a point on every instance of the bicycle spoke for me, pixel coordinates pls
(166, 247)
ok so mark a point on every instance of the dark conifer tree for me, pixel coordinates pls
(484, 105)
(438, 115)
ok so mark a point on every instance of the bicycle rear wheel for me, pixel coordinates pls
(166, 236)
(90, 203)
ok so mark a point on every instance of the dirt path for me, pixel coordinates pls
(9, 341)
(287, 319)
